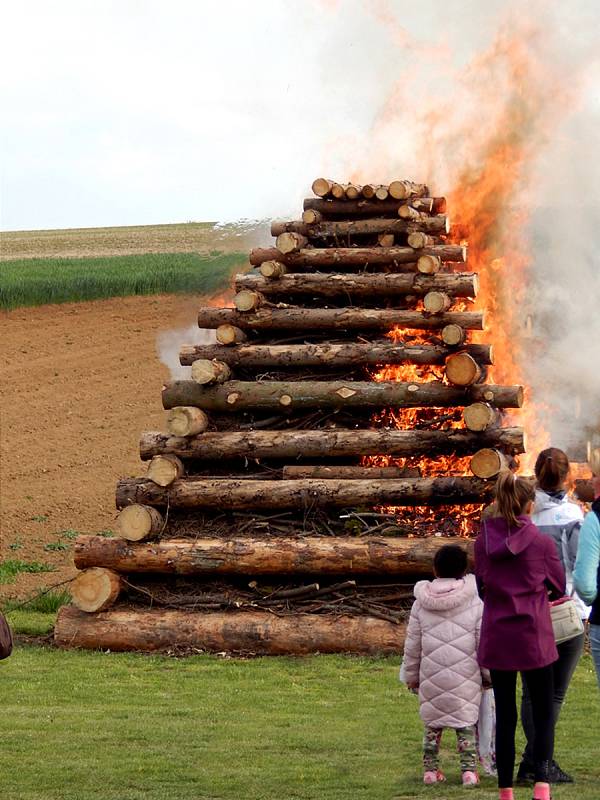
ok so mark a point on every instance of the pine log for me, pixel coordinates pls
(310, 217)
(436, 302)
(353, 472)
(347, 319)
(385, 240)
(95, 589)
(453, 335)
(205, 371)
(257, 632)
(407, 212)
(462, 369)
(382, 193)
(228, 334)
(186, 421)
(333, 355)
(488, 462)
(418, 240)
(331, 443)
(137, 522)
(372, 208)
(266, 395)
(247, 301)
(358, 256)
(453, 284)
(308, 555)
(272, 269)
(353, 192)
(368, 191)
(401, 190)
(290, 242)
(364, 227)
(480, 416)
(165, 469)
(322, 187)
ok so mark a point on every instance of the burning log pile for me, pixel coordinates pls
(343, 416)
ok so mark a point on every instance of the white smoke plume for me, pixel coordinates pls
(168, 344)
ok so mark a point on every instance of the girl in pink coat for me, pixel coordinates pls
(440, 660)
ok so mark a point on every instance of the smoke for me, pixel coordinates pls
(168, 344)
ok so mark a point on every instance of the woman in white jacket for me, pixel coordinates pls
(440, 661)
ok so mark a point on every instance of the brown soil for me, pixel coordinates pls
(80, 383)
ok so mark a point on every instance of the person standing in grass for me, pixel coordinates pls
(560, 518)
(440, 661)
(516, 568)
(587, 571)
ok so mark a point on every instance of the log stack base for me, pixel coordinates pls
(273, 515)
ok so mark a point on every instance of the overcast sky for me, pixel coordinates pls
(120, 113)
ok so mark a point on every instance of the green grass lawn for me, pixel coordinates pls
(37, 281)
(77, 725)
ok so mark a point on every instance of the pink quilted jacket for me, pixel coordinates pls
(440, 653)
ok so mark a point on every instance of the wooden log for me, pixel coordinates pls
(205, 372)
(272, 269)
(487, 463)
(385, 239)
(247, 301)
(138, 522)
(352, 191)
(331, 443)
(353, 472)
(310, 217)
(347, 319)
(95, 589)
(337, 191)
(165, 469)
(308, 555)
(462, 369)
(229, 334)
(401, 190)
(333, 355)
(257, 632)
(358, 256)
(368, 191)
(290, 242)
(266, 395)
(192, 492)
(186, 421)
(371, 208)
(418, 240)
(480, 416)
(334, 229)
(322, 187)
(452, 284)
(407, 212)
(382, 193)
(436, 302)
(428, 264)
(453, 335)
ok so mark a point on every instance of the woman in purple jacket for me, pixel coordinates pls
(516, 567)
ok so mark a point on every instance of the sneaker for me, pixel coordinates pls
(525, 774)
(557, 775)
(470, 778)
(433, 776)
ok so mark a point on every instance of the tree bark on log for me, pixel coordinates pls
(95, 589)
(256, 632)
(226, 493)
(371, 208)
(358, 256)
(332, 229)
(453, 284)
(308, 555)
(347, 319)
(349, 472)
(328, 355)
(267, 395)
(331, 443)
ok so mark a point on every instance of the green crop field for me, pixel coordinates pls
(37, 281)
(93, 726)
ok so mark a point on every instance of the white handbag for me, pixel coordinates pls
(566, 620)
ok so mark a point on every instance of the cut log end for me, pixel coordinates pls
(436, 302)
(137, 522)
(462, 369)
(479, 416)
(338, 191)
(95, 589)
(402, 190)
(311, 216)
(487, 463)
(453, 335)
(247, 300)
(186, 421)
(353, 191)
(321, 187)
(290, 242)
(429, 265)
(418, 240)
(205, 371)
(382, 193)
(368, 191)
(386, 239)
(163, 470)
(229, 334)
(273, 269)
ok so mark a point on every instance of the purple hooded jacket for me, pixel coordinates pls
(515, 569)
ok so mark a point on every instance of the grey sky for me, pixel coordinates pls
(118, 113)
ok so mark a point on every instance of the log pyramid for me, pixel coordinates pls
(341, 416)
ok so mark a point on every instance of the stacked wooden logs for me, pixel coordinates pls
(343, 402)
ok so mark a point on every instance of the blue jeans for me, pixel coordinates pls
(595, 642)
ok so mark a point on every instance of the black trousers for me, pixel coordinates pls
(540, 685)
(569, 654)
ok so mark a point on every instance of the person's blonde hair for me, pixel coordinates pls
(513, 493)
